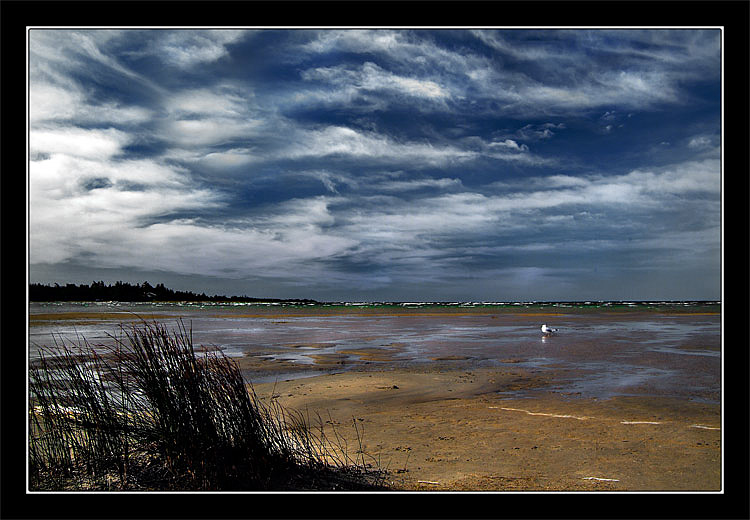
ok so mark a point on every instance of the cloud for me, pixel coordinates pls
(217, 100)
(229, 252)
(584, 70)
(371, 77)
(58, 60)
(52, 103)
(84, 193)
(627, 89)
(422, 227)
(533, 51)
(417, 184)
(69, 59)
(536, 132)
(508, 144)
(408, 65)
(98, 223)
(205, 132)
(223, 160)
(505, 149)
(702, 176)
(110, 230)
(341, 141)
(208, 116)
(78, 142)
(355, 40)
(188, 48)
(529, 73)
(701, 142)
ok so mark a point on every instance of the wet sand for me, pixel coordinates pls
(451, 430)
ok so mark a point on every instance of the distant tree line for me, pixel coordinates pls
(125, 292)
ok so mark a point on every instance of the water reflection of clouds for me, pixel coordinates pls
(603, 379)
(606, 353)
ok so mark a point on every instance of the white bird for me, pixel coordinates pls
(547, 331)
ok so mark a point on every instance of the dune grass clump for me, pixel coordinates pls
(150, 413)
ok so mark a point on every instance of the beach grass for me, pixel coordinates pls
(151, 412)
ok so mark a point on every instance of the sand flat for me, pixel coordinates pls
(451, 430)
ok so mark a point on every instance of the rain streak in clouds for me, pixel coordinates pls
(379, 164)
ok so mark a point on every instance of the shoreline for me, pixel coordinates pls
(46, 311)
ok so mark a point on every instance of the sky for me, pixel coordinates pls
(379, 164)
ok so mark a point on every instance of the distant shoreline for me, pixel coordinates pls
(125, 293)
(40, 312)
(145, 292)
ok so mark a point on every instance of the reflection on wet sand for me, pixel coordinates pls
(596, 353)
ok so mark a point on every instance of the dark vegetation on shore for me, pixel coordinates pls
(145, 292)
(151, 412)
(125, 292)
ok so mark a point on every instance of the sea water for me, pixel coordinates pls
(602, 349)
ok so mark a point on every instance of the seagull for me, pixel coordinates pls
(547, 331)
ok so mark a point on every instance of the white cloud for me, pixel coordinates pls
(209, 116)
(417, 184)
(223, 251)
(415, 87)
(371, 77)
(331, 180)
(77, 142)
(508, 150)
(55, 54)
(509, 144)
(205, 132)
(188, 48)
(50, 102)
(218, 100)
(398, 228)
(537, 132)
(689, 177)
(624, 88)
(347, 142)
(701, 142)
(356, 40)
(537, 51)
(639, 88)
(84, 193)
(54, 98)
(111, 229)
(559, 181)
(650, 68)
(68, 221)
(579, 75)
(232, 158)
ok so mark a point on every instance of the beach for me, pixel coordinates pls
(475, 399)
(446, 429)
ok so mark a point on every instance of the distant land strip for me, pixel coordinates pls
(145, 292)
(125, 292)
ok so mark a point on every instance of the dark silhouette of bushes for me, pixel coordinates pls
(149, 413)
(125, 292)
